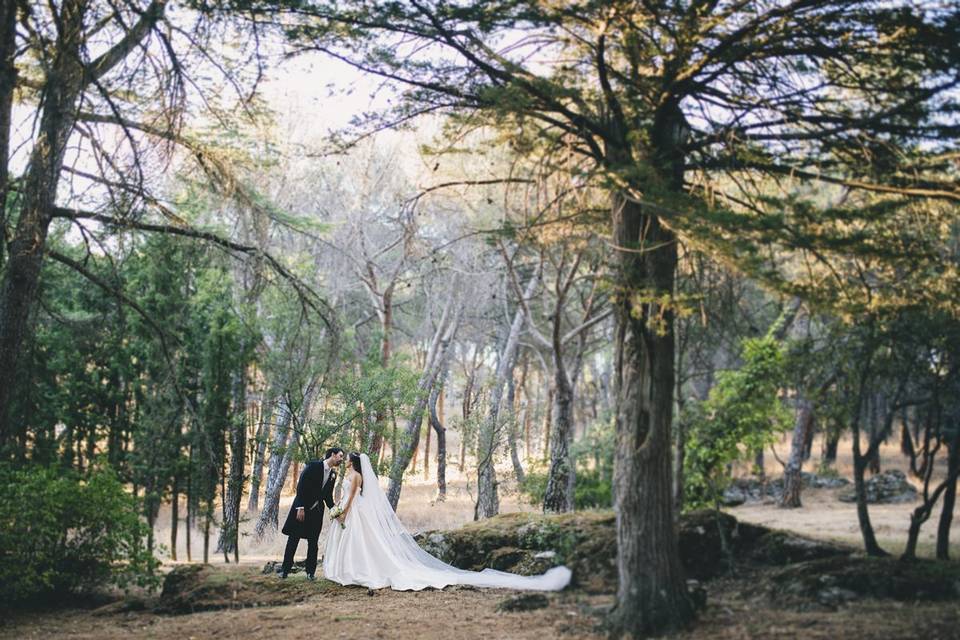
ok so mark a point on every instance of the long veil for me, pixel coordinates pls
(416, 567)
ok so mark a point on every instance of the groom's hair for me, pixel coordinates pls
(331, 451)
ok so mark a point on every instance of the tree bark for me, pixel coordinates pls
(488, 500)
(513, 428)
(863, 513)
(792, 478)
(18, 289)
(831, 442)
(264, 435)
(230, 531)
(557, 497)
(548, 422)
(174, 516)
(281, 455)
(435, 363)
(436, 423)
(949, 499)
(651, 593)
(8, 82)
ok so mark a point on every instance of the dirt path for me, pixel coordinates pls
(452, 614)
(468, 614)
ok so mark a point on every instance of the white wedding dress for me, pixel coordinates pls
(376, 551)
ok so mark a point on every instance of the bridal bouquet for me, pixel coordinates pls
(335, 513)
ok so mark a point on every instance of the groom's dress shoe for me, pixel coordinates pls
(311, 577)
(283, 575)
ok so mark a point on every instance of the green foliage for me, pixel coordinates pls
(593, 455)
(743, 413)
(361, 402)
(60, 532)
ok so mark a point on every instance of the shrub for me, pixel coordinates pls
(60, 533)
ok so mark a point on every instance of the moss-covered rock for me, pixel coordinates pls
(833, 581)
(197, 587)
(585, 541)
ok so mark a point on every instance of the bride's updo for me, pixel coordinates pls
(355, 463)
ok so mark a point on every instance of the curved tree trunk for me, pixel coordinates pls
(435, 363)
(281, 454)
(949, 499)
(651, 593)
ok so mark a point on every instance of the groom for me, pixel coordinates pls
(314, 488)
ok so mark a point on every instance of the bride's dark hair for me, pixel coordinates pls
(355, 463)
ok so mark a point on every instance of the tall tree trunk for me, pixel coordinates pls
(416, 449)
(188, 522)
(426, 448)
(512, 429)
(38, 193)
(557, 497)
(488, 500)
(651, 593)
(792, 478)
(8, 82)
(435, 363)
(863, 513)
(230, 531)
(436, 423)
(174, 515)
(265, 432)
(548, 422)
(830, 443)
(281, 455)
(949, 498)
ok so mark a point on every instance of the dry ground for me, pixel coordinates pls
(330, 611)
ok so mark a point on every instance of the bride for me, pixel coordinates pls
(369, 546)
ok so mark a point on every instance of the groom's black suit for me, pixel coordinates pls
(312, 493)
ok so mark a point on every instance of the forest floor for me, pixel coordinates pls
(326, 610)
(261, 606)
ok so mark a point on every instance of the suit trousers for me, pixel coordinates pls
(313, 548)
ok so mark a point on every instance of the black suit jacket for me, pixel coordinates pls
(312, 494)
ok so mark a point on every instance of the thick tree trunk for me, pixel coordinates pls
(38, 193)
(651, 594)
(792, 478)
(558, 497)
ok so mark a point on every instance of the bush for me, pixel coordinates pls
(62, 533)
(593, 488)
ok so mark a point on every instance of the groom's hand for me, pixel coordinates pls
(300, 515)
